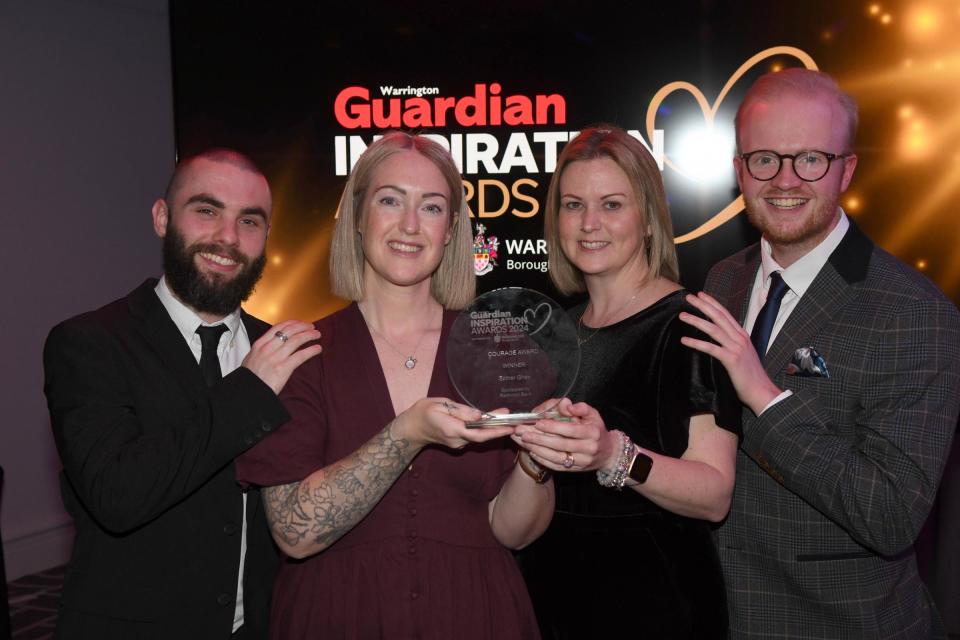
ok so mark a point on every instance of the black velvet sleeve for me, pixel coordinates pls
(701, 382)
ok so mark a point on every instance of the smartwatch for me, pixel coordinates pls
(640, 466)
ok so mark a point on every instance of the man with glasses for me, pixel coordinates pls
(848, 364)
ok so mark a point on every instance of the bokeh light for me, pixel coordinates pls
(703, 154)
(922, 22)
(915, 142)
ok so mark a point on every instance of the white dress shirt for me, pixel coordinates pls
(798, 276)
(233, 348)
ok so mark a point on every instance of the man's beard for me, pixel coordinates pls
(808, 232)
(209, 293)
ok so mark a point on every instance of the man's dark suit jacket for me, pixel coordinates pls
(835, 481)
(148, 476)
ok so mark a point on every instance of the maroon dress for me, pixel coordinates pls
(424, 562)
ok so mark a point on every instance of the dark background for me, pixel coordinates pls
(265, 80)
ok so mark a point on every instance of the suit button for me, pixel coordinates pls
(247, 440)
(229, 528)
(267, 428)
(224, 598)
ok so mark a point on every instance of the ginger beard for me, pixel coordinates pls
(207, 292)
(808, 227)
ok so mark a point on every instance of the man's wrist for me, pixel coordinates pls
(779, 398)
(766, 397)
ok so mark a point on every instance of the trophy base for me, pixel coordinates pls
(509, 419)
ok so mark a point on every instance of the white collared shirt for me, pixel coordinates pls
(798, 276)
(233, 348)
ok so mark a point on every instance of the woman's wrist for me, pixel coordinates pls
(616, 476)
(615, 450)
(537, 473)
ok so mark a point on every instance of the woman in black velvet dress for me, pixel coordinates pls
(649, 462)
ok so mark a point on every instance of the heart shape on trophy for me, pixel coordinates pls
(537, 317)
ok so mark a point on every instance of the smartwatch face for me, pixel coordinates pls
(640, 468)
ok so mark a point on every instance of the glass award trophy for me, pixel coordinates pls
(512, 349)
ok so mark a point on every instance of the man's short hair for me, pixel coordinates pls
(217, 154)
(803, 83)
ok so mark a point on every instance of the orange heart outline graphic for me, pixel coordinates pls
(709, 113)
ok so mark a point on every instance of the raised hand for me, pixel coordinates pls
(731, 346)
(277, 353)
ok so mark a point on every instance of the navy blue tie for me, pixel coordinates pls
(209, 362)
(763, 326)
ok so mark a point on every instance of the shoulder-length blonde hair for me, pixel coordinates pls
(609, 141)
(453, 284)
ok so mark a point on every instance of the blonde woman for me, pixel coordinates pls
(397, 521)
(649, 461)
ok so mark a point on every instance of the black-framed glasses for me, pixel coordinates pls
(809, 166)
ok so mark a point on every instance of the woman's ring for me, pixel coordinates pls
(449, 406)
(568, 461)
(283, 337)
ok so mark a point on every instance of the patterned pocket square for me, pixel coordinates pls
(808, 363)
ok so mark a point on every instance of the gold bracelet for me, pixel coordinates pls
(538, 476)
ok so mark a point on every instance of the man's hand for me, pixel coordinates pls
(733, 350)
(277, 353)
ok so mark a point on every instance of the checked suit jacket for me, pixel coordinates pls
(148, 476)
(835, 481)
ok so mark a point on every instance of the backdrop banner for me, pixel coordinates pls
(304, 90)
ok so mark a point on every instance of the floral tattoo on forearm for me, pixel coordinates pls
(320, 509)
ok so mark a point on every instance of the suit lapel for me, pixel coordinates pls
(255, 329)
(829, 292)
(161, 334)
(820, 304)
(159, 331)
(742, 284)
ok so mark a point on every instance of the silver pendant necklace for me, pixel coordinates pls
(411, 361)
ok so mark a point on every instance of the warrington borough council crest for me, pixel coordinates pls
(484, 251)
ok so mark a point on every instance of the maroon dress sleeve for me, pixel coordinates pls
(296, 449)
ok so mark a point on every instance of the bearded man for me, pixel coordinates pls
(847, 362)
(151, 398)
